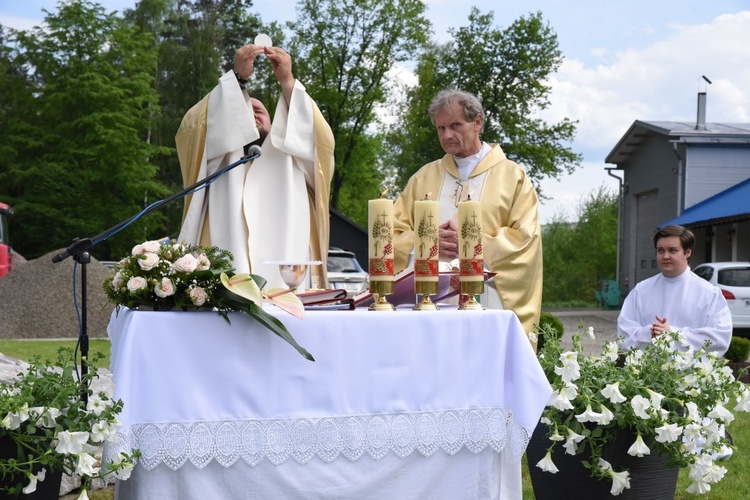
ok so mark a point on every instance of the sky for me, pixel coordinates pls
(623, 61)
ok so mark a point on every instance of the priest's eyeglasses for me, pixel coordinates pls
(458, 192)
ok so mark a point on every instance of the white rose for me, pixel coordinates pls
(137, 250)
(117, 280)
(186, 264)
(152, 246)
(165, 288)
(198, 296)
(136, 283)
(203, 263)
(150, 261)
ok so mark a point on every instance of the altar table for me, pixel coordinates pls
(398, 405)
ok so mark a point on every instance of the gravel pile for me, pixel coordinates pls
(36, 299)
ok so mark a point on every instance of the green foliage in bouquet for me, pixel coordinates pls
(673, 398)
(165, 277)
(53, 429)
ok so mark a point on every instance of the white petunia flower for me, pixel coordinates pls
(610, 350)
(715, 473)
(640, 405)
(721, 413)
(612, 392)
(33, 478)
(86, 465)
(668, 433)
(570, 369)
(589, 415)
(100, 432)
(532, 337)
(606, 415)
(655, 398)
(571, 444)
(546, 464)
(639, 448)
(698, 488)
(71, 443)
(559, 401)
(620, 481)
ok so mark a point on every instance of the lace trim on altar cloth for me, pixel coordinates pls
(301, 439)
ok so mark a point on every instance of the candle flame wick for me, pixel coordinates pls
(427, 196)
(382, 194)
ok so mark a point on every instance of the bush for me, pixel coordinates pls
(739, 348)
(549, 323)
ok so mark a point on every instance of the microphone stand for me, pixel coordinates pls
(78, 249)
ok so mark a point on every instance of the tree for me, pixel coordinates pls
(508, 70)
(578, 256)
(80, 160)
(343, 52)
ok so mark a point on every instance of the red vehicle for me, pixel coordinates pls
(6, 260)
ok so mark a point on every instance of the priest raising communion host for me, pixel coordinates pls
(276, 207)
(511, 238)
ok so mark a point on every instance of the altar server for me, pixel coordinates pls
(675, 300)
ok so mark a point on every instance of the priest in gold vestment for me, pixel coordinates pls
(274, 208)
(511, 239)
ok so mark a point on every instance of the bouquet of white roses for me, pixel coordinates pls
(47, 421)
(175, 275)
(669, 397)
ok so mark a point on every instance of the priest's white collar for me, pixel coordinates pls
(466, 165)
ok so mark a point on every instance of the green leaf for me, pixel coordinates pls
(276, 327)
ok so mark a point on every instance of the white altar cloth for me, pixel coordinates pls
(407, 405)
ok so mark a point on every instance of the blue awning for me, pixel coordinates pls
(730, 205)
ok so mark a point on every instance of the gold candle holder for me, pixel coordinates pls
(379, 289)
(471, 289)
(426, 288)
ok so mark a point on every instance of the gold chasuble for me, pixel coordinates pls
(271, 209)
(512, 238)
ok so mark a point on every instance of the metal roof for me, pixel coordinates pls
(730, 205)
(686, 132)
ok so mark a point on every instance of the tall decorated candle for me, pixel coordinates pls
(380, 231)
(470, 256)
(426, 245)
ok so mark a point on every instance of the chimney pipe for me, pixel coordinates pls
(700, 123)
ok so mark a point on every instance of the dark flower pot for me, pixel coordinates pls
(49, 489)
(650, 477)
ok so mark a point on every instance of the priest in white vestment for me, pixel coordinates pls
(274, 208)
(511, 239)
(676, 299)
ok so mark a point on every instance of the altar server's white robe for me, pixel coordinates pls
(690, 304)
(272, 209)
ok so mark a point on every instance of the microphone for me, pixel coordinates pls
(253, 152)
(75, 248)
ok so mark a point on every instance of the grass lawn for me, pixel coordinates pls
(47, 349)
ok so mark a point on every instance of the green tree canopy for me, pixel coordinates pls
(508, 70)
(343, 52)
(79, 163)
